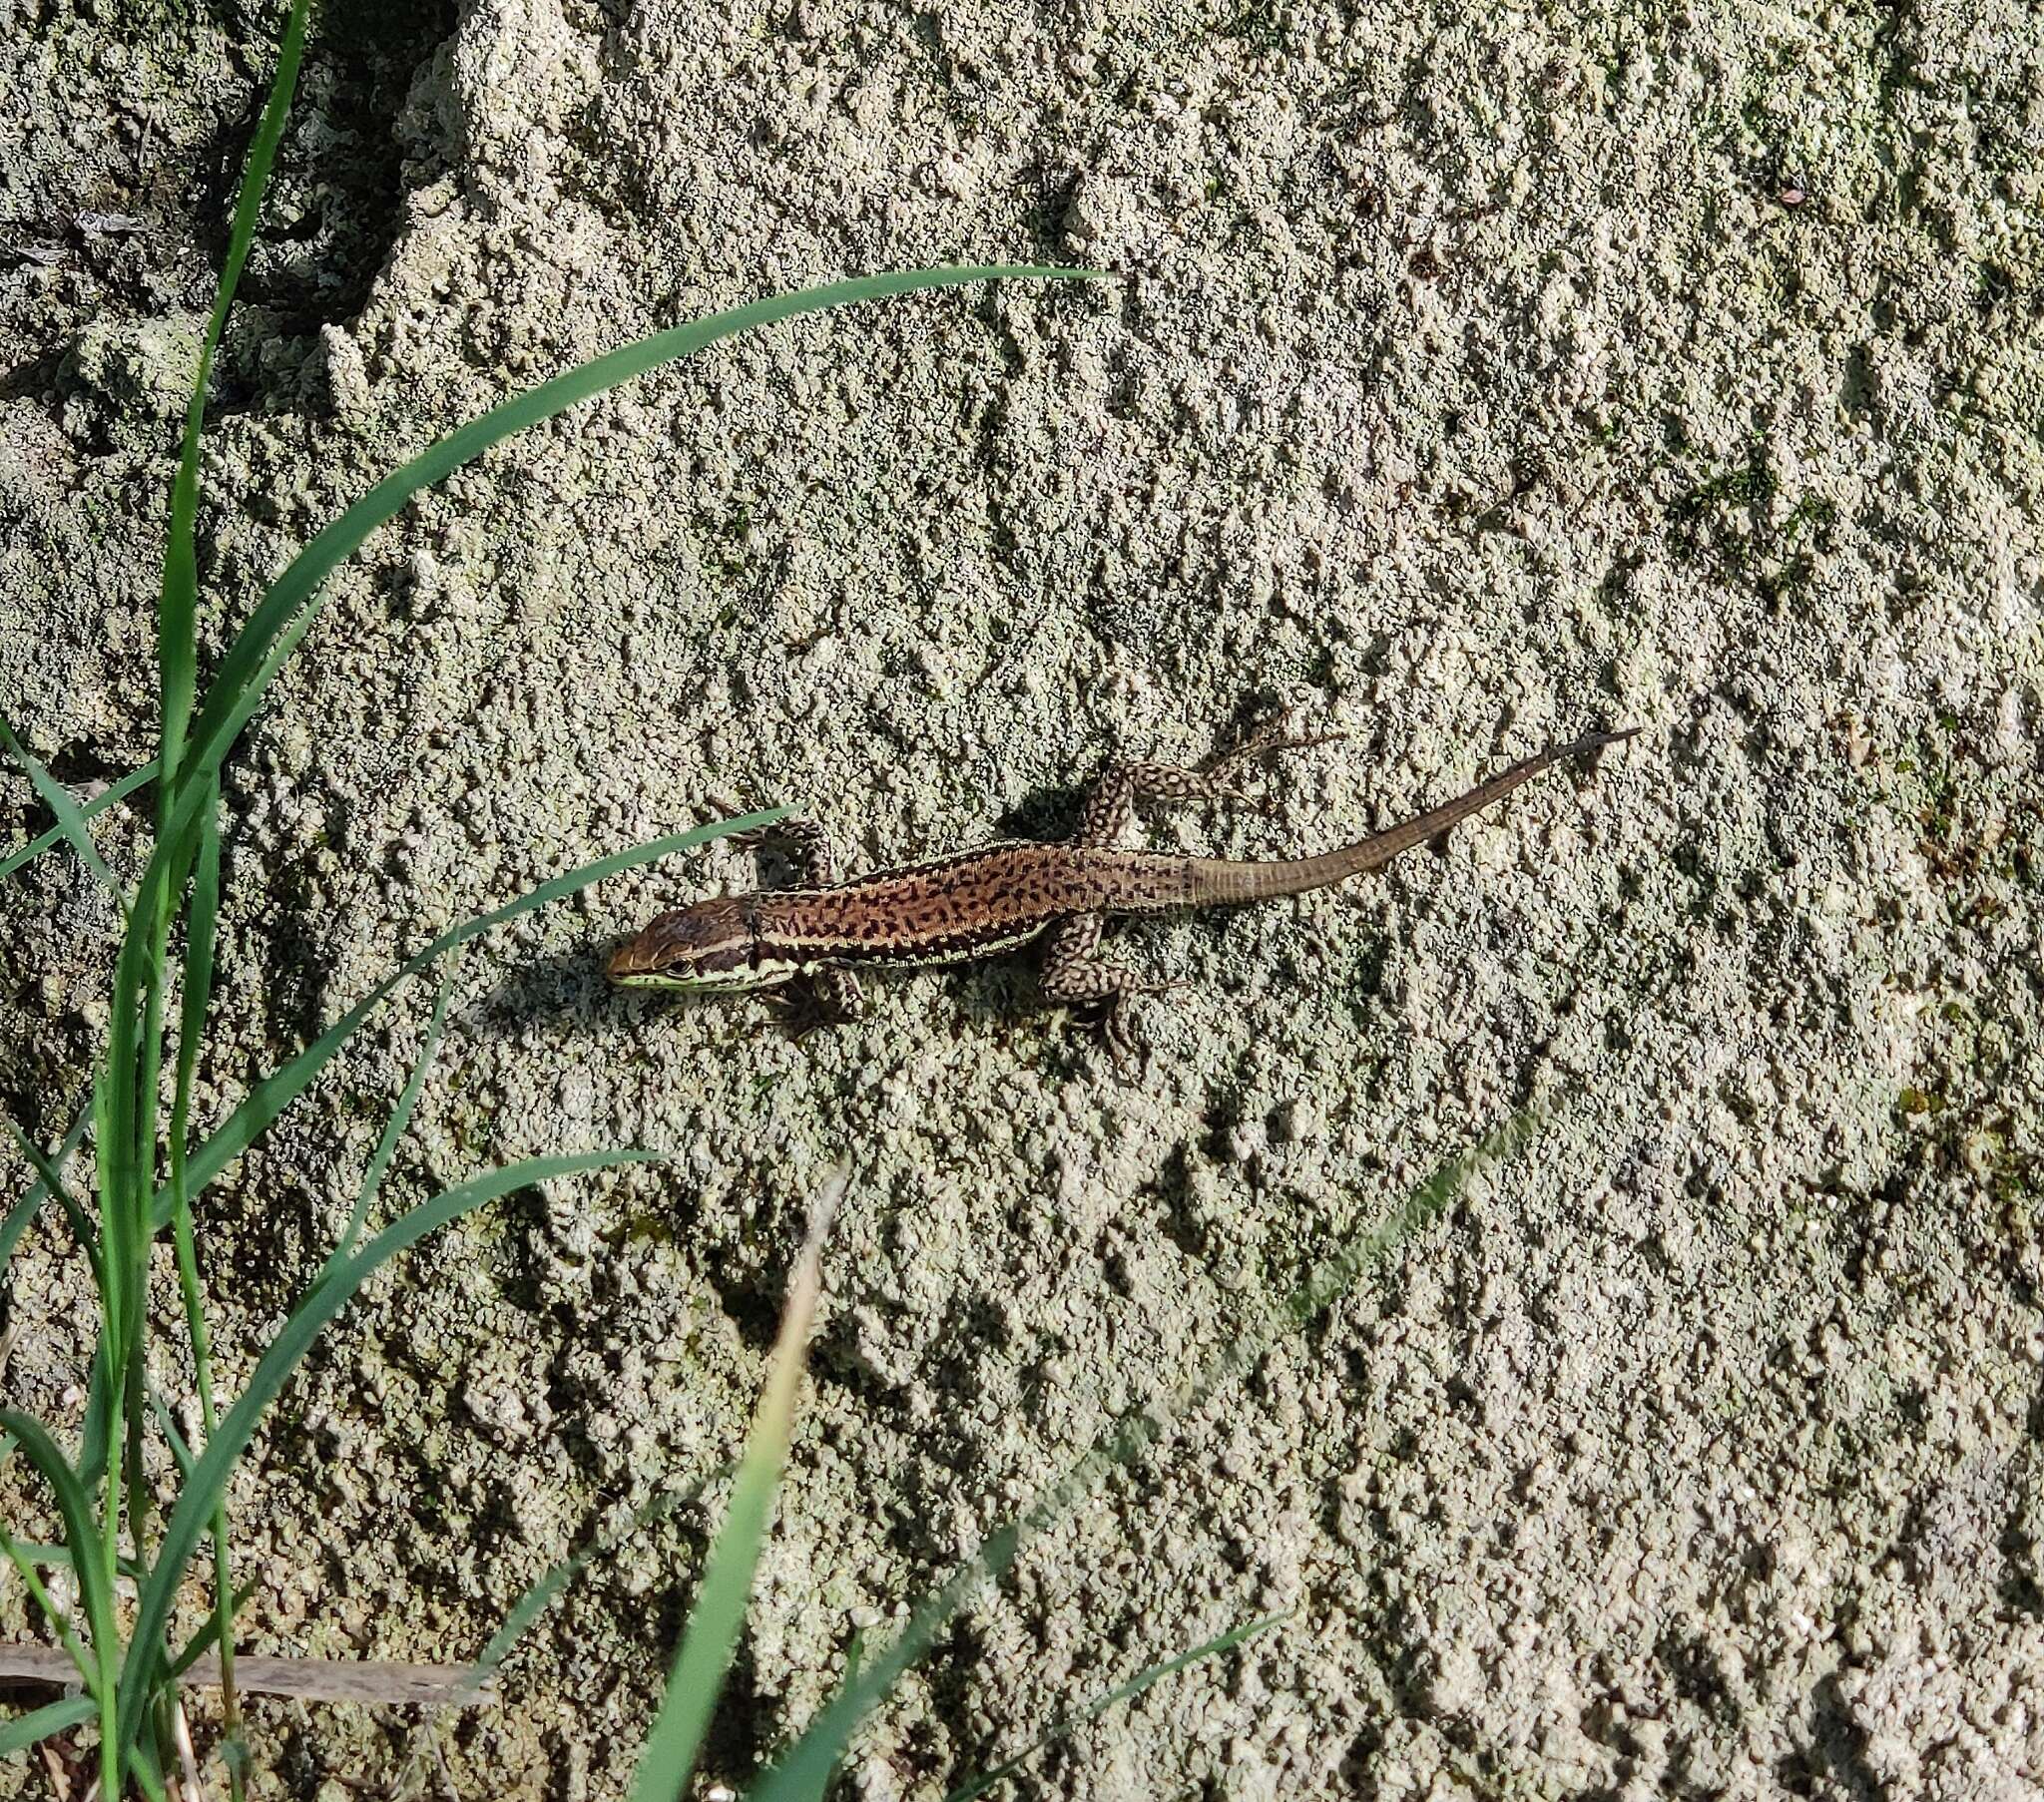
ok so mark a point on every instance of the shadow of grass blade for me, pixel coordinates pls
(1122, 1692)
(56, 835)
(177, 604)
(276, 1091)
(719, 1610)
(802, 1772)
(288, 608)
(201, 1495)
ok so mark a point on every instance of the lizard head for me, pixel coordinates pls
(710, 945)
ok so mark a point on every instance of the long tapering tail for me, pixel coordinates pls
(1218, 879)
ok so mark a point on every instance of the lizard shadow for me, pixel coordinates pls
(565, 995)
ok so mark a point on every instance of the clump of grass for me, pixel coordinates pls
(146, 1169)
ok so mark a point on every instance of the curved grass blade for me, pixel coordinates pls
(1122, 1692)
(551, 1582)
(70, 821)
(126, 785)
(203, 1640)
(177, 605)
(40, 1723)
(395, 1127)
(287, 610)
(95, 1594)
(31, 1201)
(201, 1493)
(24, 1559)
(283, 1086)
(801, 1771)
(25, 1208)
(718, 1607)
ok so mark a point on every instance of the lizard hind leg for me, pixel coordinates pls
(1110, 804)
(804, 845)
(1074, 975)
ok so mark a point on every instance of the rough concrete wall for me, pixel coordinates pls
(1474, 379)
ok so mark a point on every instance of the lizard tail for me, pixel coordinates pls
(1217, 880)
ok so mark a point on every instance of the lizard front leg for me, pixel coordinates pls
(1074, 975)
(1110, 804)
(803, 846)
(829, 997)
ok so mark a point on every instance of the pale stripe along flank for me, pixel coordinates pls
(974, 904)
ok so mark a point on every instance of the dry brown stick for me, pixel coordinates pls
(312, 1680)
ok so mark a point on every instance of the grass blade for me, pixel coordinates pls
(394, 1127)
(201, 1495)
(40, 1723)
(1099, 1704)
(197, 998)
(81, 1531)
(287, 610)
(177, 605)
(50, 1180)
(803, 1770)
(203, 1640)
(718, 1608)
(30, 1202)
(23, 1558)
(533, 1602)
(282, 1086)
(70, 821)
(126, 785)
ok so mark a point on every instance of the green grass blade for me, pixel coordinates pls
(95, 1432)
(552, 1581)
(1099, 1704)
(40, 1723)
(177, 605)
(201, 924)
(197, 998)
(395, 1127)
(204, 1639)
(81, 1531)
(60, 1556)
(201, 1495)
(799, 1774)
(23, 1558)
(50, 1179)
(30, 1202)
(718, 1608)
(282, 1086)
(126, 785)
(70, 821)
(288, 608)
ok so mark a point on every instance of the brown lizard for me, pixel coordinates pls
(979, 903)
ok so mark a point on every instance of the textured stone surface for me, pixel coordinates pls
(1469, 383)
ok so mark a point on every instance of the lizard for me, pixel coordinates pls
(979, 903)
